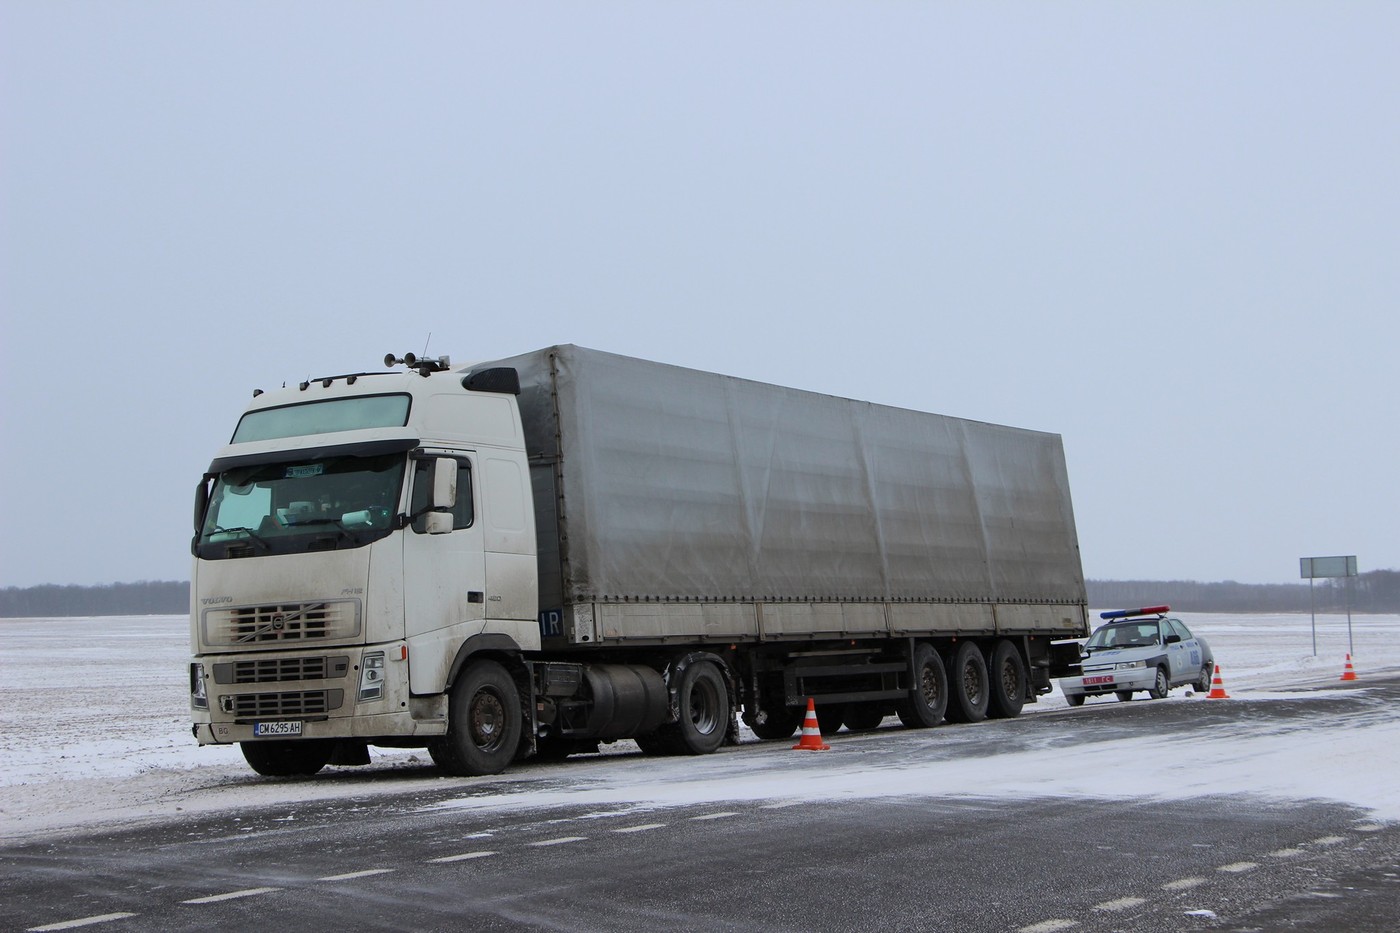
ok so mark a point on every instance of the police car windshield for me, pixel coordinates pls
(1125, 635)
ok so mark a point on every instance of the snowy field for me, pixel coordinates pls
(94, 729)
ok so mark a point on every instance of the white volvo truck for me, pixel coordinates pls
(533, 555)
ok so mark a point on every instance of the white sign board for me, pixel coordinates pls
(1319, 567)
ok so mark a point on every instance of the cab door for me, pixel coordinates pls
(444, 574)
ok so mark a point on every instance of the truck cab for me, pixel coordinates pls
(353, 540)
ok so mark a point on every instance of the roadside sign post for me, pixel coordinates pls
(1311, 568)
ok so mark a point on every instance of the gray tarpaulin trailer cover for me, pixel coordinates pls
(671, 501)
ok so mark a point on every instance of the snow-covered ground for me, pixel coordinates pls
(94, 729)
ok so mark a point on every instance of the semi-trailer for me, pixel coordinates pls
(535, 554)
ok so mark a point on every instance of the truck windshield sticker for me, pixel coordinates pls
(304, 470)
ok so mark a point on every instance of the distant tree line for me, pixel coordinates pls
(1377, 591)
(149, 597)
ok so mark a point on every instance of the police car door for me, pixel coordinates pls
(1184, 655)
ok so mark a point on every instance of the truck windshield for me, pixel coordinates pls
(311, 505)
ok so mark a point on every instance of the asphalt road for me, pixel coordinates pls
(401, 862)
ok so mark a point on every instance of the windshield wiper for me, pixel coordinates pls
(247, 531)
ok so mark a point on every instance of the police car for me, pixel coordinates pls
(1140, 649)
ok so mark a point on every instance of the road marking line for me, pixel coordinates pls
(1368, 828)
(1236, 868)
(1183, 884)
(639, 829)
(352, 875)
(714, 816)
(1286, 853)
(557, 842)
(461, 858)
(1328, 841)
(74, 924)
(232, 895)
(1122, 903)
(1048, 926)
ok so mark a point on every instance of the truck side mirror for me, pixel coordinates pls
(201, 502)
(440, 519)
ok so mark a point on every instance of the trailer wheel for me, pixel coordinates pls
(768, 723)
(863, 717)
(928, 699)
(1008, 681)
(829, 717)
(288, 757)
(484, 721)
(967, 685)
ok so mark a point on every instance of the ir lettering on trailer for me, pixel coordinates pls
(551, 623)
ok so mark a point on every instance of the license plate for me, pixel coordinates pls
(1100, 679)
(276, 728)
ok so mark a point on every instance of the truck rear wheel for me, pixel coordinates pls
(483, 725)
(1008, 681)
(928, 697)
(288, 757)
(704, 709)
(702, 701)
(967, 685)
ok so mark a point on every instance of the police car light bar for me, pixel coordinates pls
(1129, 613)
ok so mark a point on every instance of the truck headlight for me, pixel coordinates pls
(372, 677)
(1130, 665)
(199, 697)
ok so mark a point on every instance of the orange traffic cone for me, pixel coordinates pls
(811, 732)
(1217, 687)
(1349, 673)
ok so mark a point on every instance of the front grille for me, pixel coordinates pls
(250, 625)
(280, 670)
(294, 704)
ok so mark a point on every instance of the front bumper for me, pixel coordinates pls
(320, 692)
(1109, 682)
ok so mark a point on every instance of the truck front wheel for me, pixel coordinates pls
(287, 757)
(484, 722)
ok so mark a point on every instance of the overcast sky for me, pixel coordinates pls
(1167, 231)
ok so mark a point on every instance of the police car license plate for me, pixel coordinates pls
(1100, 679)
(261, 729)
